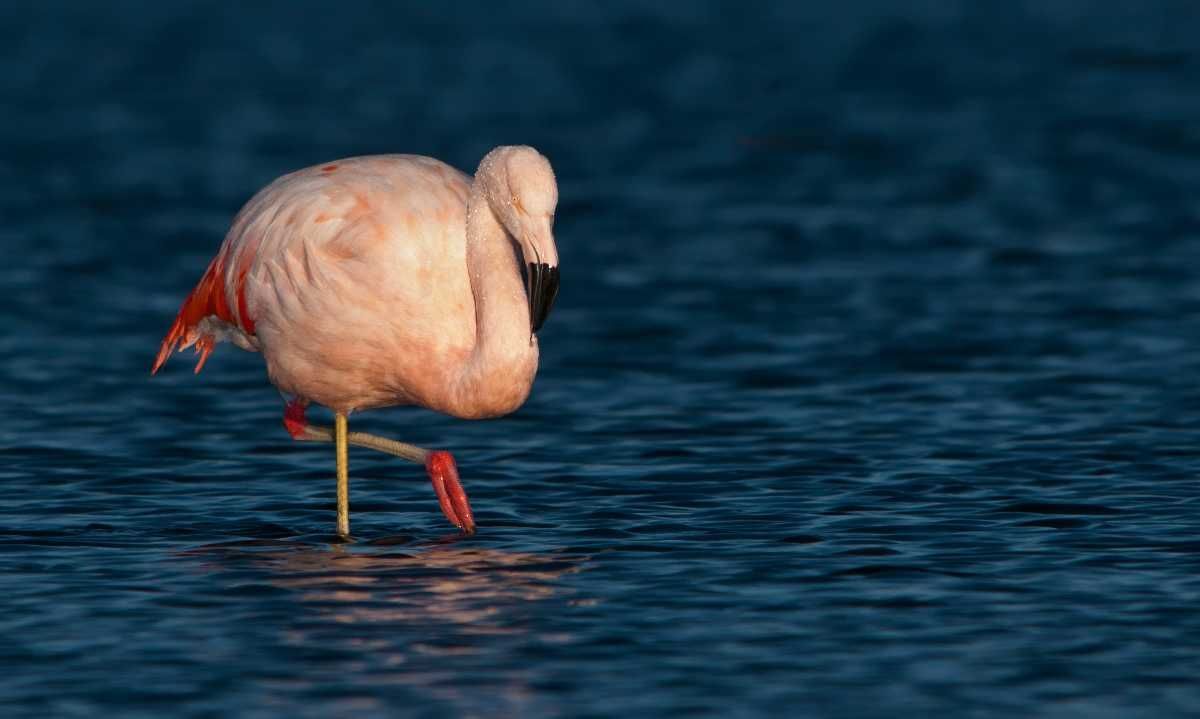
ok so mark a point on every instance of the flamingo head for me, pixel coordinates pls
(524, 195)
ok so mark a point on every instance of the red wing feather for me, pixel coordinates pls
(208, 299)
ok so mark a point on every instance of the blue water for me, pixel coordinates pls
(871, 390)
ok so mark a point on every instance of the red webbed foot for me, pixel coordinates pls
(443, 472)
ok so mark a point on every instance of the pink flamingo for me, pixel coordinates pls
(387, 280)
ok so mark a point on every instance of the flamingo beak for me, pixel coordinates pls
(541, 285)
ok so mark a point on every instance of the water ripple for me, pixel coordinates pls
(871, 385)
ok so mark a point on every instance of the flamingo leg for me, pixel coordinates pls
(343, 474)
(440, 465)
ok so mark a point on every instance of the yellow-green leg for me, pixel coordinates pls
(343, 474)
(443, 472)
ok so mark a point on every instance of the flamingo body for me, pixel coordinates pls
(387, 280)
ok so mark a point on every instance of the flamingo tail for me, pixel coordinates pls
(208, 299)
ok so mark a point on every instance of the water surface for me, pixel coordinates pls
(871, 386)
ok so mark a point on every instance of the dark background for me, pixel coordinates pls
(871, 386)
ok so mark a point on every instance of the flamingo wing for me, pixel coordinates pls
(334, 206)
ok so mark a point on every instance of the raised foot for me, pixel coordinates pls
(443, 472)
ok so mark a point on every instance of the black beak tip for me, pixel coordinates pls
(542, 287)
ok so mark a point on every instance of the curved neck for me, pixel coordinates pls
(498, 374)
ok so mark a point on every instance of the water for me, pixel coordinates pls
(871, 388)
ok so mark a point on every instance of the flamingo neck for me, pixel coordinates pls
(498, 375)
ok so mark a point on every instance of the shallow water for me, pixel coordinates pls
(871, 387)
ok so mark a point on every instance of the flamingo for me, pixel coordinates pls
(387, 280)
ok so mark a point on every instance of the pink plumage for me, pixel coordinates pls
(387, 280)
